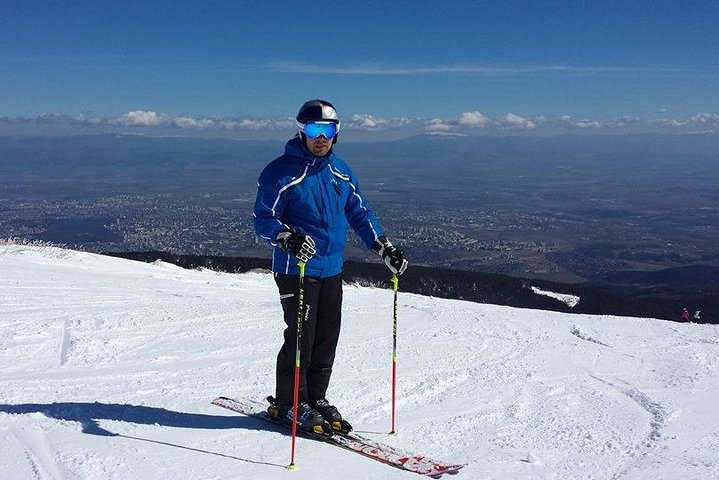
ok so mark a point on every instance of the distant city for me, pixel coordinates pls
(569, 209)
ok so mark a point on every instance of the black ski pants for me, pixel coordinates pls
(320, 334)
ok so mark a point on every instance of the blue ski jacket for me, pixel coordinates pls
(316, 196)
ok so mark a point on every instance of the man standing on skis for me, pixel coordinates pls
(305, 200)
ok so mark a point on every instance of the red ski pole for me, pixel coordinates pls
(298, 349)
(395, 282)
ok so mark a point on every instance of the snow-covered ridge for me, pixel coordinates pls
(107, 368)
(570, 300)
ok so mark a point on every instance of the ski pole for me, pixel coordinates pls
(395, 282)
(300, 317)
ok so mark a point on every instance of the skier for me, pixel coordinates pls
(685, 315)
(697, 316)
(305, 199)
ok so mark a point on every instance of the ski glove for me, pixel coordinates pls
(297, 244)
(393, 257)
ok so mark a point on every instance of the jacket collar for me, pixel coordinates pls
(295, 148)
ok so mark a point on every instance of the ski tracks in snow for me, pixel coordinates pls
(64, 343)
(657, 413)
(42, 463)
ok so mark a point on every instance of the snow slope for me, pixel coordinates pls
(107, 368)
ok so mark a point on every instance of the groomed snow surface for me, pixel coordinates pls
(108, 367)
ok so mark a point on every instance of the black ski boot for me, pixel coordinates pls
(332, 415)
(308, 419)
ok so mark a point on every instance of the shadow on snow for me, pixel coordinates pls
(89, 414)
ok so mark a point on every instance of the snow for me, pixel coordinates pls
(570, 300)
(108, 367)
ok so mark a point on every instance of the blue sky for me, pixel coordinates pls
(411, 63)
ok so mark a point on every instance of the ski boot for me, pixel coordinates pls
(331, 415)
(308, 419)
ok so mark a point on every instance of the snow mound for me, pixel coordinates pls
(578, 332)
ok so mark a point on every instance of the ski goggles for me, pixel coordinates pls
(316, 130)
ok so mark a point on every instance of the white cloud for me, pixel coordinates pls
(705, 118)
(365, 121)
(568, 121)
(369, 122)
(258, 124)
(438, 125)
(141, 118)
(586, 123)
(627, 120)
(52, 118)
(473, 119)
(672, 122)
(189, 122)
(253, 124)
(517, 121)
(88, 119)
(701, 119)
(455, 69)
(228, 124)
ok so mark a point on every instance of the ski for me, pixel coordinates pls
(386, 454)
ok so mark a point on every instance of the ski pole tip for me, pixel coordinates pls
(393, 433)
(292, 467)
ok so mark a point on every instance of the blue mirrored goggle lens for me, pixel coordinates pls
(315, 130)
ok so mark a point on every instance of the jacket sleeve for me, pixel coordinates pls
(267, 212)
(360, 215)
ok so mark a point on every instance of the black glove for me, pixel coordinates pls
(393, 257)
(297, 244)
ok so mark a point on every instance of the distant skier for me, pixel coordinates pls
(697, 316)
(305, 199)
(685, 315)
